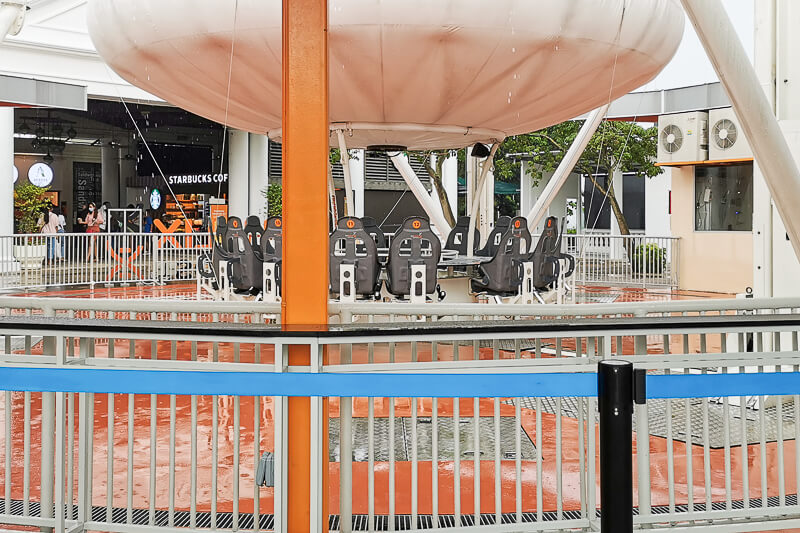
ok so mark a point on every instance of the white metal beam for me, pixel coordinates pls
(350, 209)
(564, 169)
(421, 194)
(476, 197)
(752, 107)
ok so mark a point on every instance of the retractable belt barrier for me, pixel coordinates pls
(384, 385)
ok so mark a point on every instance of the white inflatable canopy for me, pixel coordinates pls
(417, 73)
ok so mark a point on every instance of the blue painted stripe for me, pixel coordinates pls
(713, 385)
(296, 384)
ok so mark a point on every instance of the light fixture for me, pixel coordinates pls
(49, 133)
(480, 151)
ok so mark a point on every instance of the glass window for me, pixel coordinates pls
(633, 204)
(723, 198)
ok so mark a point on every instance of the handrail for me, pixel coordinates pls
(401, 309)
(396, 330)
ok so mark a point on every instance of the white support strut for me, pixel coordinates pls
(350, 209)
(771, 151)
(12, 15)
(412, 180)
(476, 198)
(564, 169)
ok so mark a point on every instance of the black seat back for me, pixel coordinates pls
(371, 227)
(500, 228)
(503, 274)
(458, 239)
(546, 255)
(272, 247)
(243, 266)
(217, 249)
(351, 245)
(253, 229)
(414, 243)
(272, 240)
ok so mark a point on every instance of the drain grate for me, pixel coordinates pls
(446, 443)
(657, 411)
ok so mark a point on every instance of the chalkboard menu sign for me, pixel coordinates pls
(87, 180)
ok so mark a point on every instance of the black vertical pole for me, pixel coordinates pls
(615, 392)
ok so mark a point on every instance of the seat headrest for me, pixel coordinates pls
(462, 222)
(518, 223)
(275, 223)
(503, 222)
(551, 223)
(416, 224)
(368, 221)
(253, 220)
(349, 223)
(234, 223)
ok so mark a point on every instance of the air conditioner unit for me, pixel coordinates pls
(725, 137)
(683, 138)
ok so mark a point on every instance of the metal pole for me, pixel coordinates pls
(642, 440)
(412, 180)
(564, 169)
(615, 395)
(476, 198)
(346, 445)
(752, 107)
(306, 152)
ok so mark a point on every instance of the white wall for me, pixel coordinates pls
(529, 193)
(656, 198)
(54, 45)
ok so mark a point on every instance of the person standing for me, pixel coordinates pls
(50, 228)
(62, 228)
(93, 221)
(104, 216)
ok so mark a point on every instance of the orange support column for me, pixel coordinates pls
(305, 231)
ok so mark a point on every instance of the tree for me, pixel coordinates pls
(624, 146)
(433, 161)
(30, 203)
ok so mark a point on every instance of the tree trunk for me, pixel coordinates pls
(438, 185)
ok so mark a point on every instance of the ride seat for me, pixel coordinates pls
(272, 247)
(502, 275)
(414, 243)
(458, 241)
(243, 266)
(253, 229)
(493, 242)
(546, 256)
(350, 244)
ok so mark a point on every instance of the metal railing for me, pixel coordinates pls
(516, 452)
(73, 259)
(625, 260)
(70, 259)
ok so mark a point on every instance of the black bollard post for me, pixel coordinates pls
(615, 396)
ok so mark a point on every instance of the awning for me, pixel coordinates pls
(500, 187)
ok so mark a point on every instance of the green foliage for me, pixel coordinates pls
(649, 259)
(623, 145)
(274, 194)
(29, 203)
